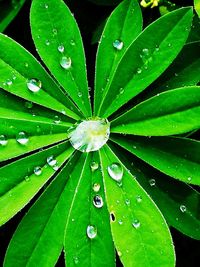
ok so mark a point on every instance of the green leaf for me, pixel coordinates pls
(79, 248)
(123, 26)
(172, 112)
(175, 156)
(197, 6)
(178, 202)
(8, 11)
(136, 217)
(53, 25)
(17, 190)
(48, 216)
(16, 71)
(159, 42)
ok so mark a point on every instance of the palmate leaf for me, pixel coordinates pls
(197, 6)
(57, 42)
(178, 202)
(83, 214)
(163, 114)
(140, 233)
(141, 64)
(48, 215)
(127, 29)
(18, 189)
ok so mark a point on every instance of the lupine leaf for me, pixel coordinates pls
(122, 27)
(135, 218)
(163, 114)
(159, 42)
(79, 248)
(18, 189)
(197, 6)
(48, 216)
(60, 29)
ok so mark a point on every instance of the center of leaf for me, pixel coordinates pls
(89, 135)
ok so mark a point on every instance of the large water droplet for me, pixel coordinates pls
(91, 231)
(34, 85)
(136, 223)
(66, 62)
(183, 208)
(38, 170)
(22, 138)
(3, 140)
(96, 187)
(89, 135)
(117, 44)
(94, 166)
(51, 161)
(115, 171)
(98, 201)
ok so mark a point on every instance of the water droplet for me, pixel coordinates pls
(72, 42)
(127, 202)
(34, 85)
(26, 64)
(96, 187)
(157, 48)
(55, 167)
(9, 82)
(91, 231)
(136, 223)
(22, 138)
(3, 140)
(120, 222)
(57, 119)
(119, 253)
(55, 31)
(76, 260)
(66, 62)
(169, 44)
(189, 179)
(139, 71)
(47, 42)
(80, 94)
(145, 51)
(117, 44)
(46, 6)
(27, 178)
(183, 208)
(121, 91)
(98, 201)
(115, 171)
(152, 182)
(61, 48)
(89, 135)
(138, 199)
(38, 170)
(51, 161)
(94, 166)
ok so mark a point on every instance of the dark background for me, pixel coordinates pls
(88, 16)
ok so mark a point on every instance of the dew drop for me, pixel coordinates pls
(46, 6)
(61, 48)
(136, 223)
(115, 171)
(66, 62)
(51, 161)
(91, 231)
(152, 182)
(94, 166)
(96, 187)
(183, 208)
(3, 140)
(120, 222)
(55, 31)
(57, 119)
(138, 199)
(22, 138)
(38, 170)
(47, 42)
(189, 179)
(27, 178)
(34, 85)
(80, 94)
(98, 201)
(9, 82)
(72, 42)
(139, 71)
(117, 44)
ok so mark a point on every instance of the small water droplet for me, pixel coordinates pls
(127, 202)
(80, 94)
(66, 62)
(28, 104)
(22, 138)
(76, 260)
(183, 208)
(9, 82)
(94, 166)
(189, 179)
(145, 51)
(115, 171)
(38, 170)
(3, 140)
(117, 44)
(169, 44)
(55, 167)
(47, 42)
(121, 91)
(46, 6)
(55, 31)
(34, 85)
(120, 222)
(51, 161)
(138, 199)
(61, 48)
(96, 187)
(72, 42)
(26, 64)
(119, 253)
(157, 48)
(176, 74)
(57, 119)
(139, 70)
(152, 182)
(136, 223)
(91, 231)
(27, 178)
(98, 201)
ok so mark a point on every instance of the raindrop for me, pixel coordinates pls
(152, 182)
(61, 48)
(98, 201)
(136, 223)
(91, 231)
(51, 161)
(34, 85)
(138, 199)
(22, 138)
(38, 170)
(3, 140)
(117, 44)
(66, 62)
(115, 171)
(94, 166)
(183, 208)
(96, 187)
